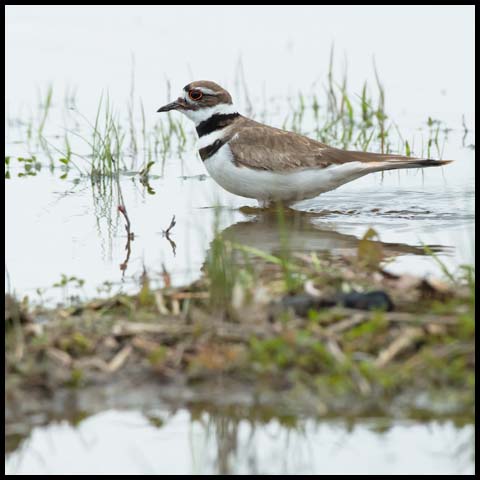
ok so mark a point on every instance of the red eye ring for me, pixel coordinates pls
(195, 95)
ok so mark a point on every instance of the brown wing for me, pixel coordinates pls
(266, 148)
(261, 147)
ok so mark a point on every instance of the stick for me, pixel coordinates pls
(166, 234)
(403, 341)
(130, 237)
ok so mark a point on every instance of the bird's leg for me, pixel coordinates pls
(265, 203)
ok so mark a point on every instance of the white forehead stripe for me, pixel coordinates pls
(206, 91)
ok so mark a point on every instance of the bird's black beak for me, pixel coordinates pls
(171, 106)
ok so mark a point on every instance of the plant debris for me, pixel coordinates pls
(343, 346)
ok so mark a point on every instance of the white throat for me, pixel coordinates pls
(198, 116)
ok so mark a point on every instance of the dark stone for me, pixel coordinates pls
(302, 303)
(377, 300)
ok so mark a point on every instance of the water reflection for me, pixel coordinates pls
(307, 232)
(211, 439)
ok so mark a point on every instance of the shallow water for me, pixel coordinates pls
(184, 443)
(58, 226)
(64, 228)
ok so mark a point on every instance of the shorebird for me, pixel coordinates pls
(258, 161)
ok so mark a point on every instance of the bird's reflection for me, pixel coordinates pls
(306, 232)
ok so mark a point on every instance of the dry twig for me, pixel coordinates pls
(166, 234)
(402, 342)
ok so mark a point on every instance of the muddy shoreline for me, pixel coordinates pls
(256, 354)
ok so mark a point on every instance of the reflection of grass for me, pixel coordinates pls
(221, 268)
(45, 105)
(291, 282)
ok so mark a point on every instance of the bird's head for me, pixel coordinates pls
(200, 100)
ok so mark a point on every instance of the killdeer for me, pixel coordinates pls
(254, 160)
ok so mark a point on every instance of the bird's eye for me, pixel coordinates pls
(195, 94)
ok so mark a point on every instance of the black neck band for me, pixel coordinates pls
(207, 152)
(215, 122)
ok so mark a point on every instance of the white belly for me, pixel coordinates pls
(269, 186)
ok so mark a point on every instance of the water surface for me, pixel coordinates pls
(184, 443)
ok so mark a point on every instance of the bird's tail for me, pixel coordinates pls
(409, 162)
(379, 161)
